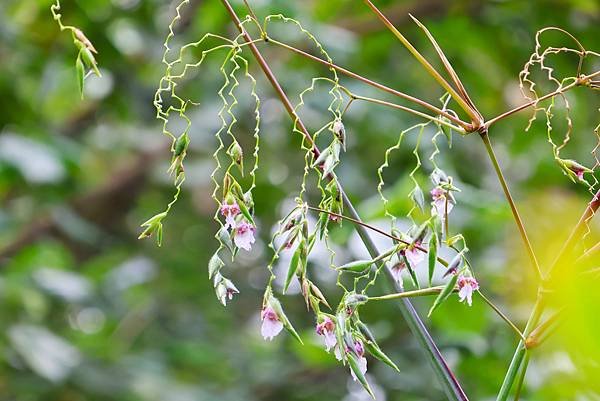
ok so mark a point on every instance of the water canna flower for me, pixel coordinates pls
(327, 329)
(396, 271)
(466, 286)
(244, 235)
(271, 324)
(442, 203)
(362, 361)
(414, 255)
(229, 211)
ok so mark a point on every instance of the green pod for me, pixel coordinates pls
(357, 266)
(377, 353)
(444, 294)
(181, 144)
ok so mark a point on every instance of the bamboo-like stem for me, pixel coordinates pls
(519, 355)
(428, 67)
(436, 119)
(502, 316)
(543, 330)
(450, 384)
(524, 106)
(538, 308)
(513, 207)
(521, 379)
(372, 83)
(377, 230)
(576, 234)
(409, 294)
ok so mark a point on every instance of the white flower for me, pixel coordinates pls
(271, 325)
(466, 286)
(244, 235)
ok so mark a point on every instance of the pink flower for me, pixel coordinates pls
(271, 325)
(230, 211)
(244, 235)
(362, 361)
(327, 329)
(396, 271)
(441, 204)
(466, 286)
(414, 255)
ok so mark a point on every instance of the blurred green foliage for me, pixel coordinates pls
(89, 313)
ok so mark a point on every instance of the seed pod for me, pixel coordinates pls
(181, 144)
(352, 300)
(80, 70)
(357, 266)
(444, 294)
(83, 40)
(237, 156)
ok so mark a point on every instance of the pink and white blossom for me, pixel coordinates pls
(362, 361)
(229, 211)
(466, 286)
(441, 204)
(327, 329)
(271, 325)
(414, 255)
(244, 235)
(396, 271)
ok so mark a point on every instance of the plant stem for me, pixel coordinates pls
(521, 378)
(409, 294)
(536, 101)
(428, 67)
(575, 235)
(377, 230)
(509, 198)
(371, 83)
(449, 383)
(519, 355)
(538, 308)
(409, 110)
(502, 315)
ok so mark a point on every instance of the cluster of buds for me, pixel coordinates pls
(85, 58)
(179, 149)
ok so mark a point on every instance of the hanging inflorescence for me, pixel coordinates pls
(433, 195)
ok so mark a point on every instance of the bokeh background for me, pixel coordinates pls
(88, 312)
